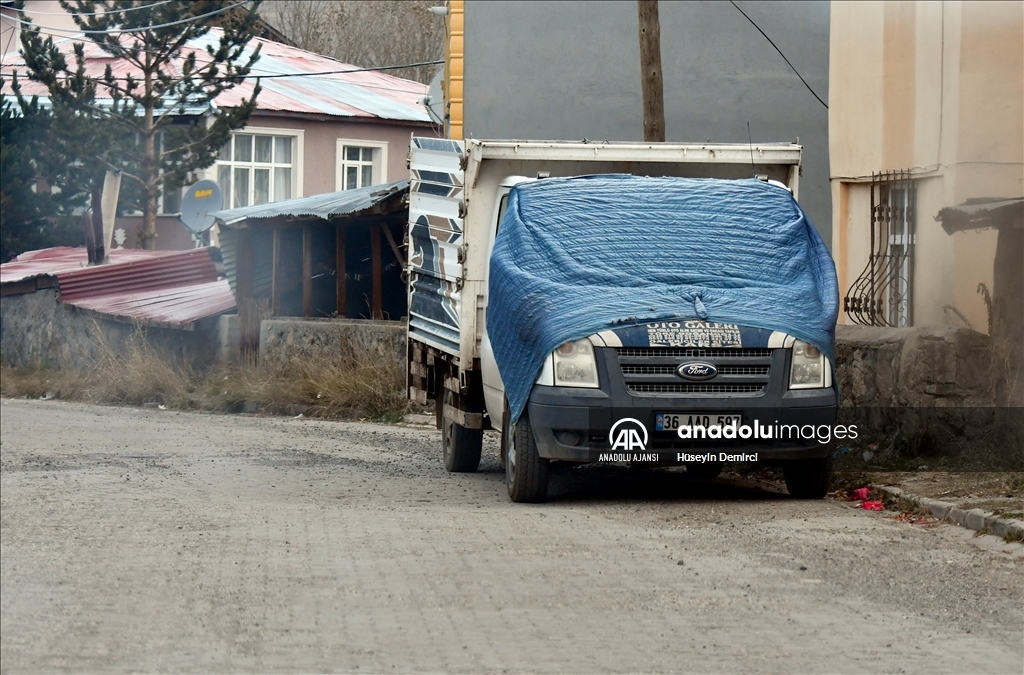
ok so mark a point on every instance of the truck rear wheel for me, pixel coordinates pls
(461, 447)
(526, 472)
(808, 478)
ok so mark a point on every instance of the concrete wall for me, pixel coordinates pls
(38, 330)
(282, 340)
(936, 88)
(571, 70)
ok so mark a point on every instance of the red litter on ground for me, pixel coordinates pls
(872, 506)
(859, 495)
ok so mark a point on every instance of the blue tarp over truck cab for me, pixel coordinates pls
(575, 256)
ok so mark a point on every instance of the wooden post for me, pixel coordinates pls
(275, 293)
(307, 270)
(650, 71)
(90, 237)
(394, 245)
(100, 250)
(340, 272)
(378, 312)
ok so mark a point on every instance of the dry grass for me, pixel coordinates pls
(356, 383)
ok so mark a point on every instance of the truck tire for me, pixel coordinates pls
(808, 478)
(526, 472)
(460, 446)
(703, 470)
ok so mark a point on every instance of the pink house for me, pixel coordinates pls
(321, 126)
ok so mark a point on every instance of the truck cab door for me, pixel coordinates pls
(494, 390)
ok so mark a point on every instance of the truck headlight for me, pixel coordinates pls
(808, 369)
(575, 365)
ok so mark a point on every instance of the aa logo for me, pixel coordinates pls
(629, 435)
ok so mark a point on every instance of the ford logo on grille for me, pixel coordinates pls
(696, 370)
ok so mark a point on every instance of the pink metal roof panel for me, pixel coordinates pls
(176, 307)
(162, 288)
(367, 94)
(53, 261)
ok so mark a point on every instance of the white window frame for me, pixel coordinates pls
(298, 147)
(380, 160)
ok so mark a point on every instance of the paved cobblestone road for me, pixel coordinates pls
(138, 540)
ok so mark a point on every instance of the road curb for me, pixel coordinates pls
(419, 420)
(973, 519)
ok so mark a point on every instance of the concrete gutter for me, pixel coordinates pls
(973, 519)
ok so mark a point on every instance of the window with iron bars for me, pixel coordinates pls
(883, 294)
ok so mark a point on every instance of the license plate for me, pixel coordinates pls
(672, 421)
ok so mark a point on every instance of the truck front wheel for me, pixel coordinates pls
(460, 446)
(526, 472)
(808, 478)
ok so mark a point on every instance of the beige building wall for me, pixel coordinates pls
(317, 154)
(936, 89)
(320, 141)
(47, 14)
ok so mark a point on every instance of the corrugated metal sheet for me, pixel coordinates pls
(229, 252)
(981, 213)
(346, 202)
(182, 268)
(53, 261)
(367, 94)
(175, 307)
(161, 288)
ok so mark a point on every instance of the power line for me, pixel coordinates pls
(258, 76)
(274, 76)
(780, 53)
(127, 9)
(140, 29)
(342, 72)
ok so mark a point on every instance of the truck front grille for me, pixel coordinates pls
(651, 371)
(645, 388)
(628, 369)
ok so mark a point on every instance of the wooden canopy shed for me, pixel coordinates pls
(339, 254)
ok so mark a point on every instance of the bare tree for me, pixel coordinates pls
(366, 33)
(305, 23)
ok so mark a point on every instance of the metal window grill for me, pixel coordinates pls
(883, 293)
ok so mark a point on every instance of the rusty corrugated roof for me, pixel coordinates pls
(173, 307)
(53, 261)
(360, 95)
(161, 288)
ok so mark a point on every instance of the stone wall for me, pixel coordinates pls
(38, 330)
(282, 340)
(930, 390)
(930, 366)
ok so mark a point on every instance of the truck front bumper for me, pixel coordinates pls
(573, 424)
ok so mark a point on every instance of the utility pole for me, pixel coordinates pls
(650, 70)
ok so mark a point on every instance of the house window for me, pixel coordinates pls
(257, 169)
(883, 294)
(170, 200)
(360, 164)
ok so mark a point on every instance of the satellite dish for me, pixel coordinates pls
(197, 204)
(434, 101)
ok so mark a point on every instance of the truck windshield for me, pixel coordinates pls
(502, 206)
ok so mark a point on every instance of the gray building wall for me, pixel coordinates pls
(39, 331)
(571, 70)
